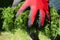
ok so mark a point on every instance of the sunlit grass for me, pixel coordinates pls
(20, 35)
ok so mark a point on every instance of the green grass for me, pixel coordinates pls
(20, 35)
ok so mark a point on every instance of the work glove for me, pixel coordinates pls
(35, 5)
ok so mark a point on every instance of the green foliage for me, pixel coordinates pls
(9, 23)
(21, 21)
(7, 15)
(53, 29)
(55, 23)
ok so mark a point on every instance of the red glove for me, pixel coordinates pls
(35, 5)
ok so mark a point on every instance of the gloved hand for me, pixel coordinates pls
(35, 5)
